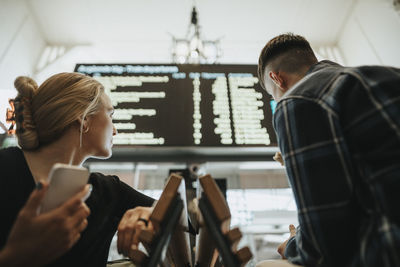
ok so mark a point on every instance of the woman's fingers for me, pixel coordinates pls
(80, 215)
(130, 227)
(142, 223)
(125, 231)
(35, 199)
(75, 204)
(120, 234)
(83, 225)
(129, 232)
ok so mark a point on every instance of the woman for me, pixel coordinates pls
(68, 119)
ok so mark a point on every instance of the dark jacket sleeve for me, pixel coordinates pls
(319, 170)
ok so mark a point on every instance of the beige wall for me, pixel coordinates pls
(21, 42)
(371, 34)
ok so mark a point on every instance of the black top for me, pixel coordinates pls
(108, 202)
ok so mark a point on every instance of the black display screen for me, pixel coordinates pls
(186, 105)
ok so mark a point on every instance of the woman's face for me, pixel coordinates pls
(98, 139)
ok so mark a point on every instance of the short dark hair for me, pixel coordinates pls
(296, 46)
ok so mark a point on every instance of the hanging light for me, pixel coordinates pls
(193, 49)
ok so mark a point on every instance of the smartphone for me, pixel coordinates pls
(64, 182)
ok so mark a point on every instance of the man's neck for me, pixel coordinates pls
(294, 78)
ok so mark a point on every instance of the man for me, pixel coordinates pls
(338, 130)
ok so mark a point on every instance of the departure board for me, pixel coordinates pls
(186, 105)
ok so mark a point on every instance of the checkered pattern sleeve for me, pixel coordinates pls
(319, 171)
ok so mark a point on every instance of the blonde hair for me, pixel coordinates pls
(44, 113)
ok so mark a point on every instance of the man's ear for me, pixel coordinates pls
(276, 78)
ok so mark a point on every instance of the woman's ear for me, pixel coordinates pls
(84, 124)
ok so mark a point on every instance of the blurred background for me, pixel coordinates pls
(39, 38)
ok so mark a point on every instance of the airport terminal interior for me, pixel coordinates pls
(182, 77)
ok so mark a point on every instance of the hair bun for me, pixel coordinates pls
(26, 128)
(25, 86)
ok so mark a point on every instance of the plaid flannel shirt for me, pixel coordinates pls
(339, 133)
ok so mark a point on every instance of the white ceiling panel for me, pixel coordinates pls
(97, 21)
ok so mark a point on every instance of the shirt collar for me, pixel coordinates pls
(316, 67)
(320, 65)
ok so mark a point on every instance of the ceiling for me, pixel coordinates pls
(71, 22)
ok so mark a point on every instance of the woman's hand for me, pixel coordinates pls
(35, 239)
(282, 247)
(130, 226)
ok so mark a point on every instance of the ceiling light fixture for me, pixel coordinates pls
(193, 49)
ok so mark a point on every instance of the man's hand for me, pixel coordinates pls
(130, 226)
(35, 239)
(282, 247)
(278, 157)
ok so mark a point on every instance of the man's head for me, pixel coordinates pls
(284, 61)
